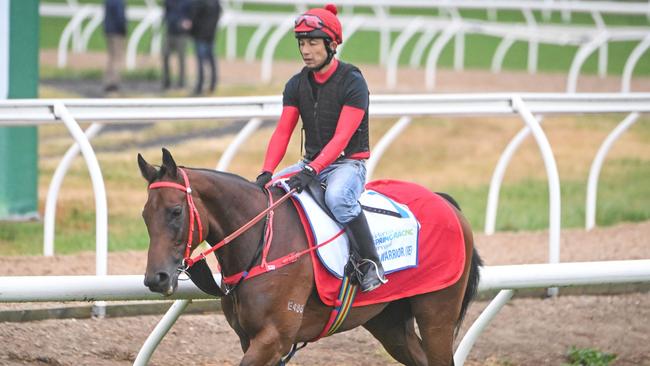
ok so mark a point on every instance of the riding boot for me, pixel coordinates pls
(372, 272)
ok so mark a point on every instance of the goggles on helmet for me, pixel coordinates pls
(314, 22)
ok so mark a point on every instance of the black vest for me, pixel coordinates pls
(320, 116)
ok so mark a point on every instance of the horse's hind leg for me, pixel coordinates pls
(394, 327)
(437, 314)
(437, 334)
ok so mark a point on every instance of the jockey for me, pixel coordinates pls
(331, 97)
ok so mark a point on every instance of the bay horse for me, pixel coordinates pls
(272, 312)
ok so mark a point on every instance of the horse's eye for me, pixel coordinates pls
(176, 211)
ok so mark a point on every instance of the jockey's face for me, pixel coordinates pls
(312, 51)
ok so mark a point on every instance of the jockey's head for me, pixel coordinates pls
(315, 27)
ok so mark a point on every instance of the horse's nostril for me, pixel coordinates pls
(162, 278)
(158, 281)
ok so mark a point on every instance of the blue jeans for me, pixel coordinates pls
(205, 54)
(345, 180)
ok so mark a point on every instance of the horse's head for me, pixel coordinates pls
(167, 216)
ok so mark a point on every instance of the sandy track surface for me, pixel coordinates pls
(528, 331)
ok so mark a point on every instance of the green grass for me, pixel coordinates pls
(588, 357)
(70, 73)
(23, 238)
(363, 47)
(53, 73)
(623, 195)
(74, 233)
(524, 205)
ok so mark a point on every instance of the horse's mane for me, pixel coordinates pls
(162, 171)
(219, 173)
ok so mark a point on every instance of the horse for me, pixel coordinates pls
(276, 310)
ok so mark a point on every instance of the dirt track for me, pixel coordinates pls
(528, 331)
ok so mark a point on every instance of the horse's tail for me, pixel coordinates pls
(449, 199)
(472, 285)
(474, 275)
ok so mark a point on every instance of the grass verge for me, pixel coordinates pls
(523, 206)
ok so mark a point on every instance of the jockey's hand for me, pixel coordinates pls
(301, 180)
(263, 179)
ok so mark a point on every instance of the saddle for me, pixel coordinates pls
(394, 228)
(436, 251)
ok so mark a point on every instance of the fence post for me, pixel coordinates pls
(19, 23)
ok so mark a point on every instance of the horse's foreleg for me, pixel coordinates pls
(265, 349)
(228, 309)
(271, 313)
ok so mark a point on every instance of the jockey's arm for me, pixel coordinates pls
(349, 120)
(280, 138)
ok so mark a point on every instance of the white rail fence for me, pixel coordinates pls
(504, 278)
(527, 106)
(433, 32)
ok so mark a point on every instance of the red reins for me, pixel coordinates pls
(194, 213)
(239, 231)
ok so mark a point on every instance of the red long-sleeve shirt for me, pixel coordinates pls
(349, 120)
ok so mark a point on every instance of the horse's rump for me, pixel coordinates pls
(441, 250)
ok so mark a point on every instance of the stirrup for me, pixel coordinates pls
(381, 277)
(371, 279)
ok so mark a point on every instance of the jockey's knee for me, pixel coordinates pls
(344, 207)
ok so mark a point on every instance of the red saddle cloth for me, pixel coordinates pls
(441, 251)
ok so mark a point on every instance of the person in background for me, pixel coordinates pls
(115, 32)
(331, 97)
(177, 26)
(205, 15)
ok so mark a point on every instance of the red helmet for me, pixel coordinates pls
(319, 23)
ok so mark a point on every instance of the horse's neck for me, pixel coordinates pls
(231, 202)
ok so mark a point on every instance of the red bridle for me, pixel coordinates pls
(194, 213)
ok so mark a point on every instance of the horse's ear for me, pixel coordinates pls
(168, 163)
(147, 170)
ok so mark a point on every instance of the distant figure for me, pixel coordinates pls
(177, 28)
(115, 32)
(205, 15)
